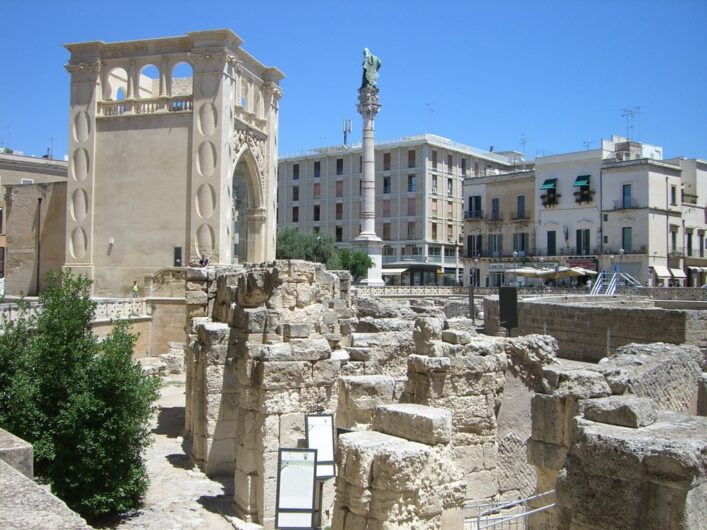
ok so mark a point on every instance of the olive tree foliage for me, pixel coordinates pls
(82, 403)
(293, 244)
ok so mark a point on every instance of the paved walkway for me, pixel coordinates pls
(180, 496)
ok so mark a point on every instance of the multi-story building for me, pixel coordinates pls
(419, 206)
(620, 207)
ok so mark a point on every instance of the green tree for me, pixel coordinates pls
(355, 261)
(293, 244)
(83, 404)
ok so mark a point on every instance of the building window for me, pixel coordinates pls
(339, 234)
(386, 231)
(701, 241)
(386, 161)
(434, 231)
(450, 210)
(295, 172)
(339, 166)
(295, 193)
(315, 230)
(450, 187)
(2, 219)
(360, 164)
(339, 211)
(386, 184)
(674, 240)
(448, 252)
(495, 209)
(411, 183)
(520, 207)
(688, 241)
(434, 207)
(295, 214)
(317, 169)
(434, 183)
(434, 159)
(411, 206)
(626, 238)
(476, 168)
(673, 195)
(551, 243)
(626, 196)
(583, 240)
(450, 233)
(317, 190)
(475, 207)
(340, 188)
(386, 207)
(411, 230)
(473, 245)
(316, 213)
(520, 243)
(495, 244)
(463, 167)
(450, 163)
(434, 251)
(411, 159)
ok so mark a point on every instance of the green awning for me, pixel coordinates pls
(582, 180)
(549, 184)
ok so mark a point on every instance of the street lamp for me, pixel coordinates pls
(472, 307)
(515, 258)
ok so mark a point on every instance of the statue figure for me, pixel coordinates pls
(371, 65)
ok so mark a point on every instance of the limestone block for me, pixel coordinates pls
(340, 355)
(307, 294)
(220, 429)
(548, 419)
(222, 406)
(355, 498)
(454, 336)
(199, 298)
(244, 493)
(378, 325)
(382, 308)
(425, 364)
(301, 271)
(546, 455)
(581, 384)
(359, 353)
(284, 297)
(282, 375)
(627, 411)
(478, 364)
(17, 453)
(318, 398)
(220, 378)
(213, 333)
(481, 485)
(326, 372)
(312, 349)
(292, 430)
(196, 286)
(198, 274)
(355, 454)
(412, 422)
(296, 331)
(250, 320)
(359, 395)
(254, 287)
(425, 331)
(220, 456)
(279, 401)
(281, 351)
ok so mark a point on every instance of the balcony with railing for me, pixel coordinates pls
(583, 196)
(677, 252)
(160, 105)
(550, 199)
(494, 217)
(520, 215)
(626, 204)
(474, 215)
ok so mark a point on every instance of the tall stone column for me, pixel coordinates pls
(367, 240)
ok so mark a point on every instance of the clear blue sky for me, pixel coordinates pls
(558, 72)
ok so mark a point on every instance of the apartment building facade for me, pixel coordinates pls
(617, 208)
(419, 206)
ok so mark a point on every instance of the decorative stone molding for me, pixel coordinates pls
(368, 102)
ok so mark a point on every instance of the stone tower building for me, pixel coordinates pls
(166, 167)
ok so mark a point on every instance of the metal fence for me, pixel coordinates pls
(513, 515)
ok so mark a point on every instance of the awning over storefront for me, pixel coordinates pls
(678, 274)
(582, 180)
(392, 272)
(694, 268)
(661, 272)
(549, 184)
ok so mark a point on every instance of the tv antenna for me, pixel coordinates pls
(347, 130)
(523, 141)
(630, 114)
(430, 112)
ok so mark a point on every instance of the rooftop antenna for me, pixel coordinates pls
(430, 112)
(523, 141)
(347, 131)
(630, 114)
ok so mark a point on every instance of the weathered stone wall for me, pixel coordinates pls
(401, 474)
(140, 326)
(268, 355)
(586, 327)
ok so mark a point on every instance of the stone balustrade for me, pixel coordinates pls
(146, 106)
(106, 309)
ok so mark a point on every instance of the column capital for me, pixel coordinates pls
(368, 102)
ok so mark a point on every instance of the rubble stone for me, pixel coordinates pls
(626, 411)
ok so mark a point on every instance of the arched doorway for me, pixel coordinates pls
(241, 202)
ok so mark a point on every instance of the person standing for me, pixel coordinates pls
(136, 289)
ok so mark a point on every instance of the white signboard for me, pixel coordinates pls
(294, 506)
(320, 436)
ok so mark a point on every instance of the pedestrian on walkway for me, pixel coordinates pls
(136, 289)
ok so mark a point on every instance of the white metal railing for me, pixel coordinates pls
(106, 309)
(413, 290)
(146, 106)
(509, 515)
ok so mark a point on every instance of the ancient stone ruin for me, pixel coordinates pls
(438, 418)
